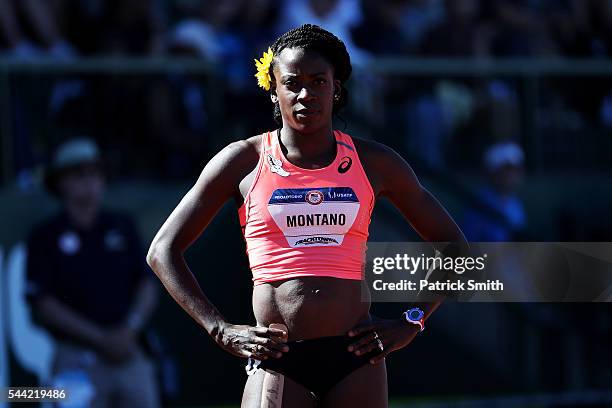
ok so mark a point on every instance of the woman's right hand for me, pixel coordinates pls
(256, 342)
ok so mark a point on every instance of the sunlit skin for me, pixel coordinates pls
(304, 86)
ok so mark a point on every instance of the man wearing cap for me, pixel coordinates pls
(498, 216)
(88, 284)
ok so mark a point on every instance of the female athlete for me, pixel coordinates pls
(305, 194)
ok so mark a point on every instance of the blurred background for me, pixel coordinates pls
(502, 107)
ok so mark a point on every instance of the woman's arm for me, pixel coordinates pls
(393, 178)
(399, 183)
(217, 183)
(214, 187)
(421, 209)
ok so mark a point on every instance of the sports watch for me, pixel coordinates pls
(415, 316)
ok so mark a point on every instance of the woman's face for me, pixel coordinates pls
(304, 87)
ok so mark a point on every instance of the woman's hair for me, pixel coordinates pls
(310, 37)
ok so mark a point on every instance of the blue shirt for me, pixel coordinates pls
(95, 272)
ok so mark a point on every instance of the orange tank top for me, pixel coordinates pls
(298, 222)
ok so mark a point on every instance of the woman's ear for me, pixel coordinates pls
(273, 95)
(337, 88)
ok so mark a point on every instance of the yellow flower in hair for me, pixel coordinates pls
(263, 69)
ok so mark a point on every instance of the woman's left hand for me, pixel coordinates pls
(393, 334)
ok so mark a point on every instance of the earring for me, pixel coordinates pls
(336, 97)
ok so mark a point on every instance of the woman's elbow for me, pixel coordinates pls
(161, 252)
(154, 255)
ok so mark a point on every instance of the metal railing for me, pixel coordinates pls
(530, 71)
(106, 66)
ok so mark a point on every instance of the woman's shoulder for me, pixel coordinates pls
(379, 161)
(387, 170)
(373, 151)
(232, 163)
(242, 152)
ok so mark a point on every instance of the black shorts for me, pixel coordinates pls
(305, 359)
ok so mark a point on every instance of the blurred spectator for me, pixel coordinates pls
(337, 16)
(258, 23)
(88, 285)
(229, 34)
(606, 111)
(378, 34)
(593, 20)
(132, 27)
(529, 27)
(461, 34)
(209, 30)
(195, 37)
(235, 28)
(28, 28)
(419, 18)
(207, 27)
(379, 31)
(499, 214)
(435, 119)
(176, 120)
(490, 106)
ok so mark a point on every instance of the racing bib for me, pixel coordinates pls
(311, 217)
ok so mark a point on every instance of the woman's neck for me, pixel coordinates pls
(312, 148)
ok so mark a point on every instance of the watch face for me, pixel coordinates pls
(415, 314)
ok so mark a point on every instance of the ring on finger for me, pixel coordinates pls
(380, 344)
(376, 336)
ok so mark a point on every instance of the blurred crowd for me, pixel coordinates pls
(166, 125)
(239, 29)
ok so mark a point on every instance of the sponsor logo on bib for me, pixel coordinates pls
(314, 197)
(317, 241)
